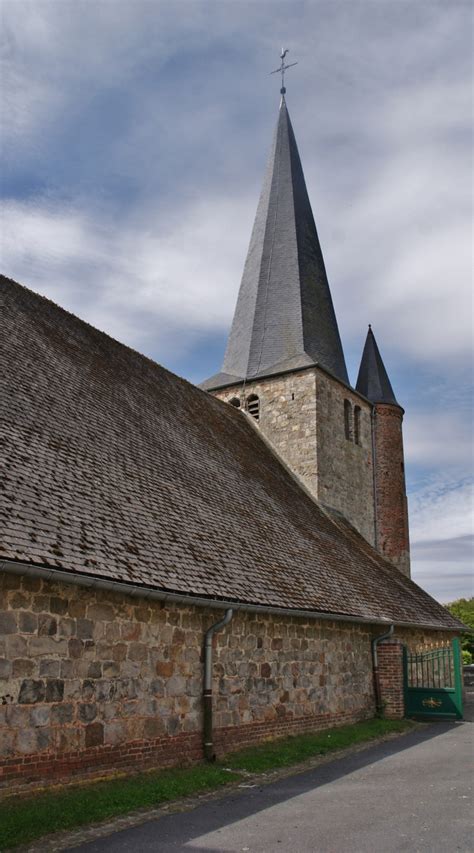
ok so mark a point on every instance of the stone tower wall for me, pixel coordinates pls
(287, 418)
(302, 414)
(392, 509)
(345, 470)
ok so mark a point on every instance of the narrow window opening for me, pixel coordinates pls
(292, 396)
(357, 424)
(253, 406)
(348, 420)
(235, 402)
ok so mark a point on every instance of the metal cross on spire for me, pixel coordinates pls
(283, 67)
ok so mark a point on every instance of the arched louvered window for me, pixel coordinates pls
(357, 424)
(348, 419)
(235, 402)
(253, 406)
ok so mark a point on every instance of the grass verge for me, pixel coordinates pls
(292, 750)
(28, 819)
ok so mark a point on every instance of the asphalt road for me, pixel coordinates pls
(412, 794)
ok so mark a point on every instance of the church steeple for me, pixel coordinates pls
(284, 318)
(373, 381)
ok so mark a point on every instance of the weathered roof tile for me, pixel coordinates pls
(119, 469)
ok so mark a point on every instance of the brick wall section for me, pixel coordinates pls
(302, 414)
(390, 661)
(93, 682)
(390, 655)
(392, 510)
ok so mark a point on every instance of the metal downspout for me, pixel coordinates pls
(209, 754)
(375, 666)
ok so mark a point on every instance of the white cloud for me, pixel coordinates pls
(441, 536)
(441, 509)
(401, 256)
(132, 281)
(437, 437)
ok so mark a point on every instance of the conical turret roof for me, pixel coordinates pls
(284, 318)
(373, 381)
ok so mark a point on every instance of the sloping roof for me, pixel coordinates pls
(284, 314)
(119, 469)
(373, 381)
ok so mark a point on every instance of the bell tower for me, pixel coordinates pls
(284, 363)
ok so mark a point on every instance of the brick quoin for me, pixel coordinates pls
(390, 659)
(391, 500)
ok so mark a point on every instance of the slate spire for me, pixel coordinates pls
(373, 381)
(284, 317)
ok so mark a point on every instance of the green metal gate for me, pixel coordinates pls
(433, 682)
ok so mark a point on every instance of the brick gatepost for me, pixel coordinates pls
(391, 500)
(390, 662)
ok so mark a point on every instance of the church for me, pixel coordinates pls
(185, 571)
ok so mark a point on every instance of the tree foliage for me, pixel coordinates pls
(463, 609)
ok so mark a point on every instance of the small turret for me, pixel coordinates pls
(389, 467)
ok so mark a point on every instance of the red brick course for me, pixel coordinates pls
(35, 770)
(392, 510)
(390, 660)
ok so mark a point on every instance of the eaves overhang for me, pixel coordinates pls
(173, 597)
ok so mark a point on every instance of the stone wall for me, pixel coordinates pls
(287, 418)
(94, 682)
(417, 639)
(345, 472)
(392, 510)
(302, 414)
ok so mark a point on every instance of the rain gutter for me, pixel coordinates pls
(136, 591)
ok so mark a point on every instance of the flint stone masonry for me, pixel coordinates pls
(136, 678)
(130, 696)
(302, 414)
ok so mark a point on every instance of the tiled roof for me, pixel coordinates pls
(119, 469)
(284, 314)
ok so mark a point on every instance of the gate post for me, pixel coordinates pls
(390, 654)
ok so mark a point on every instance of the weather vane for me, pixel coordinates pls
(283, 67)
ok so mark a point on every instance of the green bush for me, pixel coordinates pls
(463, 609)
(466, 657)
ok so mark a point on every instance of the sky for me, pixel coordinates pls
(134, 141)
